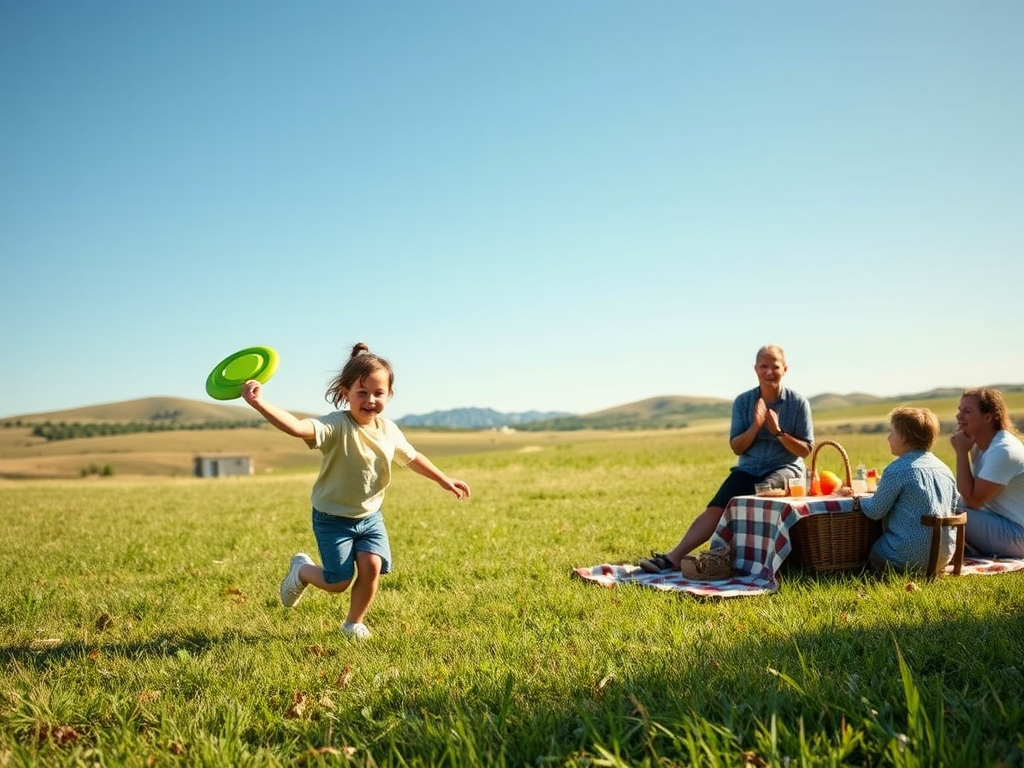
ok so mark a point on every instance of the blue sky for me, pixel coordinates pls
(533, 205)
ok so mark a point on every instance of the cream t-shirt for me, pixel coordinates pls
(1003, 463)
(356, 466)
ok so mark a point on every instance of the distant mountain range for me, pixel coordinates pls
(671, 411)
(476, 418)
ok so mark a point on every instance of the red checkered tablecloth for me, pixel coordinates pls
(758, 530)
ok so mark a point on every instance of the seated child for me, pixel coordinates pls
(917, 483)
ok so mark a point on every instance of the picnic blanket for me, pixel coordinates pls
(673, 581)
(745, 585)
(984, 566)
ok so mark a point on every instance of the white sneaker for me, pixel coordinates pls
(357, 631)
(292, 586)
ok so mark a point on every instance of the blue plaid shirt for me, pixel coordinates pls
(767, 454)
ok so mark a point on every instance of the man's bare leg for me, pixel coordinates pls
(700, 531)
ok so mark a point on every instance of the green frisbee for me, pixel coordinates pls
(226, 379)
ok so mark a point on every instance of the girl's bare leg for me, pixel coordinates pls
(314, 576)
(368, 567)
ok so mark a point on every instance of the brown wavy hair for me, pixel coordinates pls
(992, 401)
(361, 363)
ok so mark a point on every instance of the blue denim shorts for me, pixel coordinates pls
(339, 538)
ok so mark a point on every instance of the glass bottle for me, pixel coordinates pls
(860, 480)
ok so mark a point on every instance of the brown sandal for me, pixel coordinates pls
(656, 563)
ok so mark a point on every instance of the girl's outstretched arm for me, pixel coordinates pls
(252, 393)
(421, 465)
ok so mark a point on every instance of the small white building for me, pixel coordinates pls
(222, 466)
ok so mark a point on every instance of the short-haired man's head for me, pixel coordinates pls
(771, 349)
(991, 401)
(918, 427)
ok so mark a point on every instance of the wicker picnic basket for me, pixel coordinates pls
(834, 541)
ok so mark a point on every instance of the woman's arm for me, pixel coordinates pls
(974, 492)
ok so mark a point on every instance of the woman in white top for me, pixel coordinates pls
(990, 474)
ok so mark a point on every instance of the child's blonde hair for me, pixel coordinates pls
(361, 363)
(917, 426)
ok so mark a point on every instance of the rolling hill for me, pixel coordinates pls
(146, 409)
(665, 412)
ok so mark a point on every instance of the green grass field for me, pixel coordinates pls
(140, 625)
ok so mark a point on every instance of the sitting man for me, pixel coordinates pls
(771, 433)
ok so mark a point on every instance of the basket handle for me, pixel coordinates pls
(842, 452)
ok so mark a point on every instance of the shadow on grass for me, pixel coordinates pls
(946, 685)
(47, 652)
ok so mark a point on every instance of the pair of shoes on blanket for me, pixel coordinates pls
(709, 565)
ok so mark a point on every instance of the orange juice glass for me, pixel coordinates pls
(872, 480)
(797, 486)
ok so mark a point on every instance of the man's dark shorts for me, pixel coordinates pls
(740, 483)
